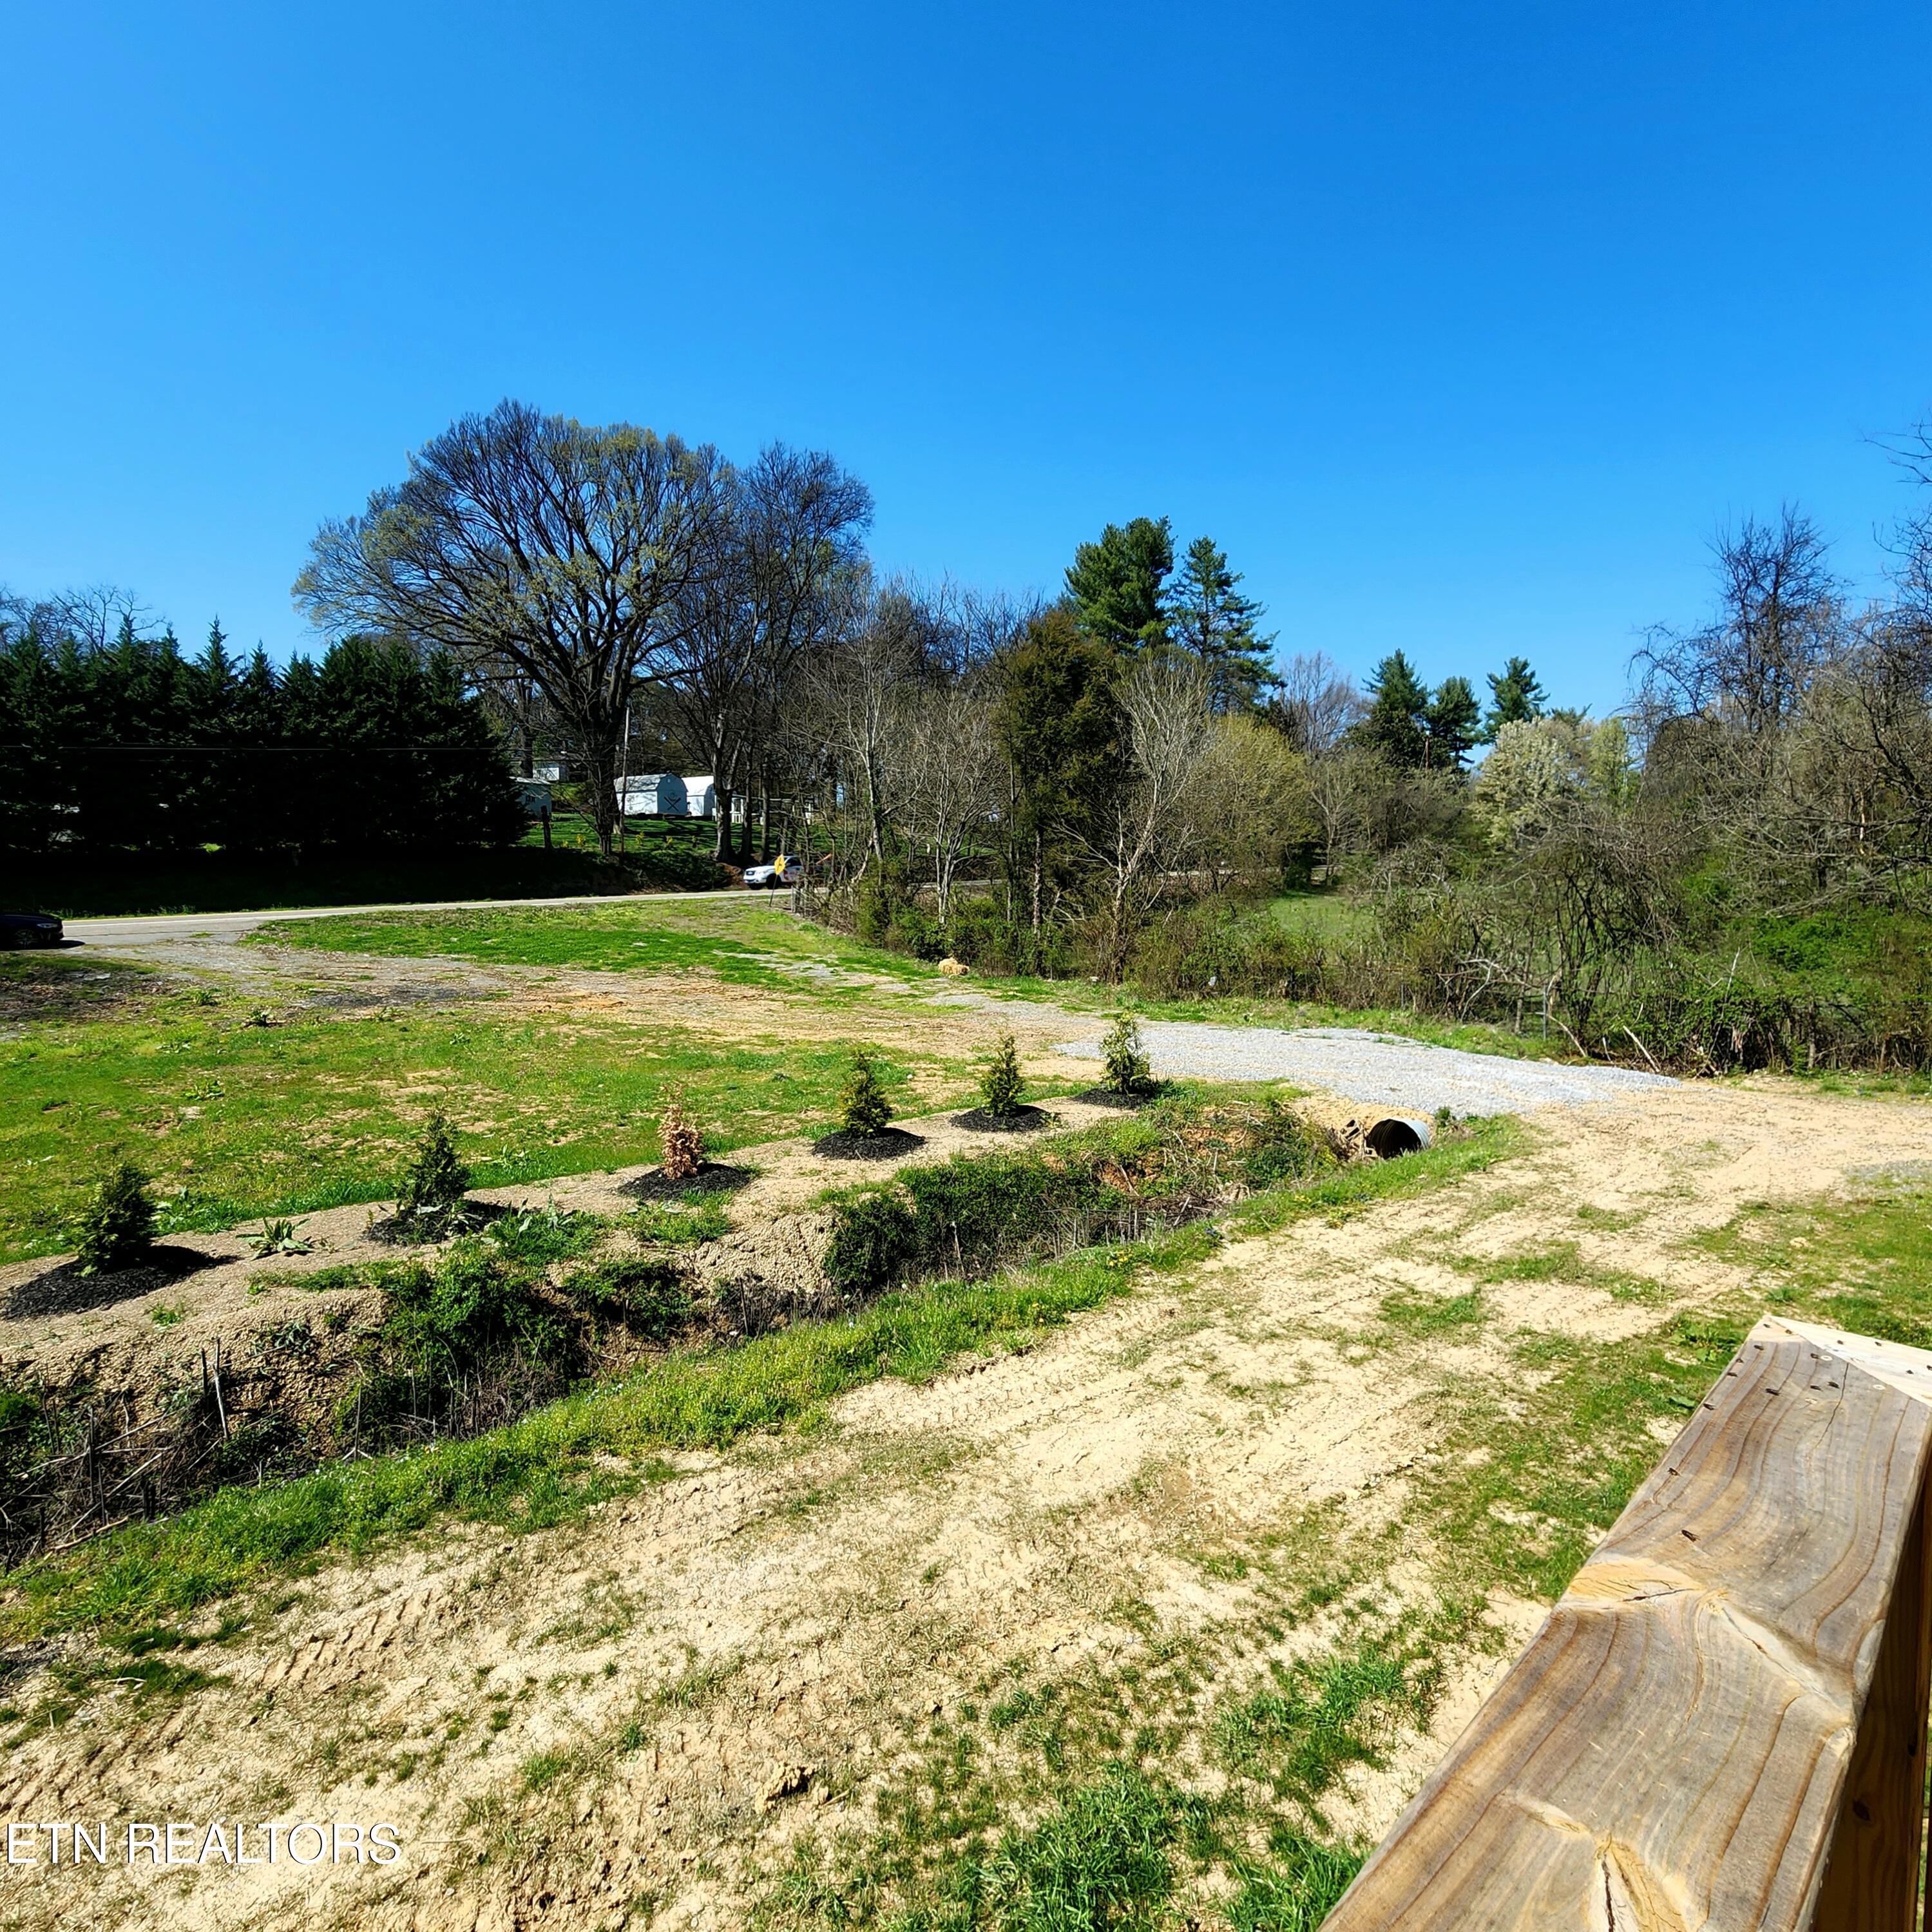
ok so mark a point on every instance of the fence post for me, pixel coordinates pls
(1722, 1723)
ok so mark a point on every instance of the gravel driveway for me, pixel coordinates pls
(1378, 1070)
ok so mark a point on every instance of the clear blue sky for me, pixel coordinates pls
(1460, 326)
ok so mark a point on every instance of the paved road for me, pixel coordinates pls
(211, 925)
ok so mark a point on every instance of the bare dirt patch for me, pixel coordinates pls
(37, 990)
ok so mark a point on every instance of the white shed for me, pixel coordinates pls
(701, 796)
(654, 795)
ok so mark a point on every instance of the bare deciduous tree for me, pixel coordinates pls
(1150, 828)
(1316, 705)
(953, 776)
(774, 583)
(532, 540)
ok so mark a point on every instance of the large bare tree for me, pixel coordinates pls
(533, 541)
(776, 583)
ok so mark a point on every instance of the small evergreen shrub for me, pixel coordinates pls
(435, 1182)
(1127, 1071)
(863, 1108)
(117, 1226)
(1002, 1087)
(681, 1141)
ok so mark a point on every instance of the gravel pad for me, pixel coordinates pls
(1378, 1070)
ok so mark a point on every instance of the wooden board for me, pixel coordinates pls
(1672, 1751)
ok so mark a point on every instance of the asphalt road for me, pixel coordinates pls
(210, 925)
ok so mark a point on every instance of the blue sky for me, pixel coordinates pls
(1461, 328)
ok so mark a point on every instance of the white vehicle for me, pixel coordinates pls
(782, 871)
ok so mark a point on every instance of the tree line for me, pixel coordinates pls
(115, 740)
(1731, 869)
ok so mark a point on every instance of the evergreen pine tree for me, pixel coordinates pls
(1452, 721)
(1116, 585)
(1210, 618)
(1127, 1070)
(118, 1225)
(435, 1181)
(863, 1108)
(1002, 1087)
(1397, 722)
(1515, 698)
(1060, 727)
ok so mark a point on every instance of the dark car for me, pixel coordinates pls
(29, 928)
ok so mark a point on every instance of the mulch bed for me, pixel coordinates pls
(714, 1176)
(888, 1143)
(1020, 1121)
(1107, 1096)
(65, 1290)
(413, 1231)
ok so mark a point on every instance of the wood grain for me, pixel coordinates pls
(1672, 1751)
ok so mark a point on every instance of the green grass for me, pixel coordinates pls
(1423, 1315)
(235, 1121)
(1330, 917)
(1864, 1264)
(744, 943)
(1533, 1472)
(549, 1466)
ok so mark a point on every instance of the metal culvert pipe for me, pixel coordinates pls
(1396, 1134)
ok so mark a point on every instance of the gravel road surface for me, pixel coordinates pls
(1378, 1070)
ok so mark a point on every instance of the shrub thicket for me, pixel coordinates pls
(976, 1214)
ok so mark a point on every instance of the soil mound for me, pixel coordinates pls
(416, 1231)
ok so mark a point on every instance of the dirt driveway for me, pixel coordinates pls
(642, 1719)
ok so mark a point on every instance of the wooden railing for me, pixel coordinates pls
(1722, 1724)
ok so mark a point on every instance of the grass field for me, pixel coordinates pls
(1328, 916)
(237, 1112)
(745, 942)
